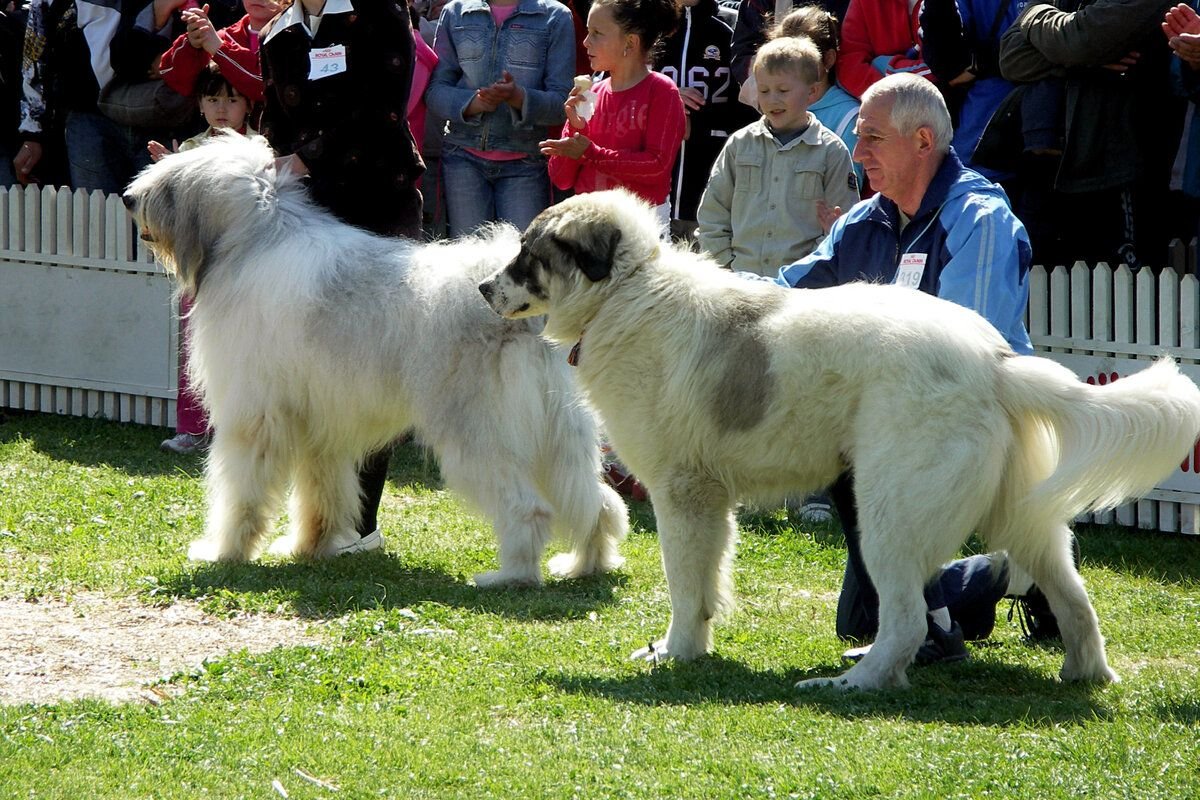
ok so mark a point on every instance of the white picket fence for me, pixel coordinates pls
(88, 325)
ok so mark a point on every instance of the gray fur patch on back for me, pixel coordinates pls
(744, 390)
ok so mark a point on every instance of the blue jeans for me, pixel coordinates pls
(102, 154)
(479, 191)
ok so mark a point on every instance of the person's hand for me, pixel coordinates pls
(826, 215)
(200, 31)
(572, 108)
(27, 157)
(573, 146)
(504, 90)
(293, 164)
(963, 78)
(1181, 26)
(693, 98)
(1126, 63)
(480, 104)
(158, 150)
(1180, 20)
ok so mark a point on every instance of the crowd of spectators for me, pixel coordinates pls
(1083, 110)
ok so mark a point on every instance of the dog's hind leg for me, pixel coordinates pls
(245, 476)
(1044, 551)
(586, 509)
(520, 517)
(325, 507)
(697, 532)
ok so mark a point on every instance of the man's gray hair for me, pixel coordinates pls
(916, 103)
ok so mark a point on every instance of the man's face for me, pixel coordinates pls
(890, 160)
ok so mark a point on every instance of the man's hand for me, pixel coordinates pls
(571, 147)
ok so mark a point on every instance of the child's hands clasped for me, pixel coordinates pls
(573, 146)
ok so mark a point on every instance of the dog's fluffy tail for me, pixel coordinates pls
(1084, 447)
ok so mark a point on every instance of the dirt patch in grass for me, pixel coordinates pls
(110, 648)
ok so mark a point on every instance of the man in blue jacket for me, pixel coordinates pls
(942, 228)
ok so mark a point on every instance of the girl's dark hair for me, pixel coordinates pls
(652, 20)
(814, 22)
(211, 83)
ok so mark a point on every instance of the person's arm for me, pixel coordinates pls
(238, 62)
(818, 269)
(181, 64)
(543, 107)
(988, 270)
(855, 72)
(714, 215)
(664, 134)
(445, 97)
(840, 180)
(1098, 34)
(748, 36)
(944, 45)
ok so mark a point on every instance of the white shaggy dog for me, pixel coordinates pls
(715, 388)
(315, 343)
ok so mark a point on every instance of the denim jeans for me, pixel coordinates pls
(479, 191)
(102, 154)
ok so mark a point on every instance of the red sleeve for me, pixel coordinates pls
(238, 63)
(664, 134)
(854, 70)
(564, 171)
(181, 64)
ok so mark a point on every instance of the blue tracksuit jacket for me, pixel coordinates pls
(963, 245)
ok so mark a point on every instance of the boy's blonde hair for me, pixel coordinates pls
(794, 55)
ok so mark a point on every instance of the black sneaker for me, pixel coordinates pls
(1037, 621)
(939, 647)
(942, 647)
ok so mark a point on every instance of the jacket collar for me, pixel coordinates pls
(294, 15)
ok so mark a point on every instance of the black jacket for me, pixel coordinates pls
(350, 128)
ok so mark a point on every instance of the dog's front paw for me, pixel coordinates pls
(284, 546)
(499, 578)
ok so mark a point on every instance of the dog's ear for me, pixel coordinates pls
(595, 258)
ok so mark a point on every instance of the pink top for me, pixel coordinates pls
(635, 136)
(499, 14)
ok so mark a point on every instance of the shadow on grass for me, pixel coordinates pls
(381, 581)
(1156, 556)
(990, 695)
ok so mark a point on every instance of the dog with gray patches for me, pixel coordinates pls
(314, 344)
(714, 388)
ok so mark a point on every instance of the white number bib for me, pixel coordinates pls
(326, 61)
(912, 267)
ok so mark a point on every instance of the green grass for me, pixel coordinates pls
(425, 687)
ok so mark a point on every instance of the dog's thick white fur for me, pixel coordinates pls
(315, 343)
(715, 388)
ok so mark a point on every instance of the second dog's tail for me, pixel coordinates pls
(1085, 447)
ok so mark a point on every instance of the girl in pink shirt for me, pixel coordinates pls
(633, 135)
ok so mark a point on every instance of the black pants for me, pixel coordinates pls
(968, 588)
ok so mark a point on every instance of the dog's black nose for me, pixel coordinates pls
(128, 200)
(486, 289)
